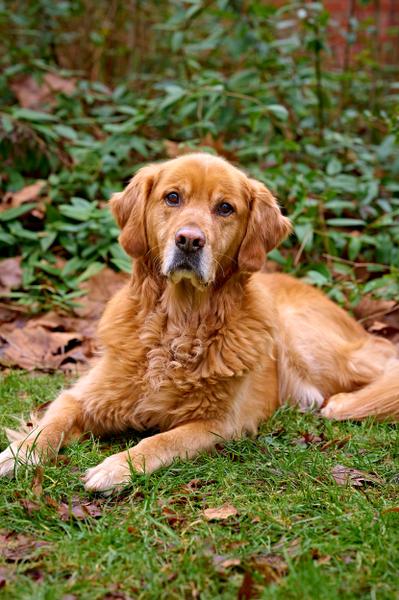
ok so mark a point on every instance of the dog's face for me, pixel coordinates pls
(198, 218)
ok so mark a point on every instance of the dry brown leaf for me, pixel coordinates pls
(336, 442)
(99, 289)
(393, 509)
(79, 510)
(33, 94)
(19, 546)
(29, 193)
(272, 566)
(370, 309)
(55, 341)
(172, 517)
(377, 326)
(222, 563)
(308, 439)
(247, 587)
(32, 346)
(221, 513)
(10, 274)
(347, 476)
(37, 482)
(30, 506)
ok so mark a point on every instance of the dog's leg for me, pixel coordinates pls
(59, 424)
(156, 451)
(65, 419)
(379, 399)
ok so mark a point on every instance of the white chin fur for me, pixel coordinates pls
(177, 276)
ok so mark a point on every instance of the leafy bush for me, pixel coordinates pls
(252, 81)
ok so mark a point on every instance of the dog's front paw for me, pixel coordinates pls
(13, 456)
(112, 473)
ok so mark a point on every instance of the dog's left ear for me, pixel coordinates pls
(128, 208)
(266, 228)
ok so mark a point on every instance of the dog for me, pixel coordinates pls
(200, 344)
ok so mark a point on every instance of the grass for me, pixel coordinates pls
(326, 541)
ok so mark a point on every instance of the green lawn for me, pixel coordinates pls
(297, 534)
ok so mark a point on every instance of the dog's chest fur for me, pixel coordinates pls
(181, 366)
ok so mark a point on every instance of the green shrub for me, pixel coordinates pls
(252, 81)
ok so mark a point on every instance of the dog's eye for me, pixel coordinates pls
(172, 199)
(224, 209)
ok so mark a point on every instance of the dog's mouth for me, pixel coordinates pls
(188, 267)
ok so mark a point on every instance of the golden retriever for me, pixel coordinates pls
(200, 345)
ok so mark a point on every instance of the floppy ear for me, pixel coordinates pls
(128, 208)
(266, 228)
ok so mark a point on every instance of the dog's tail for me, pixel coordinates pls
(379, 399)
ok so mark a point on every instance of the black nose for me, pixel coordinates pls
(190, 239)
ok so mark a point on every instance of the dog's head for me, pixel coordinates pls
(198, 218)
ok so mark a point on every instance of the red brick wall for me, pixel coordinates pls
(376, 34)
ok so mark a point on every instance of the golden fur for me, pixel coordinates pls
(207, 351)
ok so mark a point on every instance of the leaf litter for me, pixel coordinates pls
(54, 341)
(353, 477)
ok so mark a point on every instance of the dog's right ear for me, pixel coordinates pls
(128, 208)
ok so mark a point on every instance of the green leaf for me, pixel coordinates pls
(91, 270)
(355, 244)
(334, 166)
(27, 114)
(278, 110)
(67, 132)
(316, 278)
(17, 211)
(47, 240)
(338, 222)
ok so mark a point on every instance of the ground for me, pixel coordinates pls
(299, 526)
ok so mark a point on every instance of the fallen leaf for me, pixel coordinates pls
(369, 309)
(247, 588)
(195, 484)
(336, 442)
(29, 505)
(99, 289)
(393, 509)
(221, 513)
(272, 566)
(10, 274)
(19, 546)
(29, 193)
(347, 476)
(55, 341)
(32, 346)
(222, 563)
(37, 482)
(33, 94)
(79, 510)
(8, 313)
(172, 517)
(308, 439)
(51, 502)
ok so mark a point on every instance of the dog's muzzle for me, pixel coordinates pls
(186, 259)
